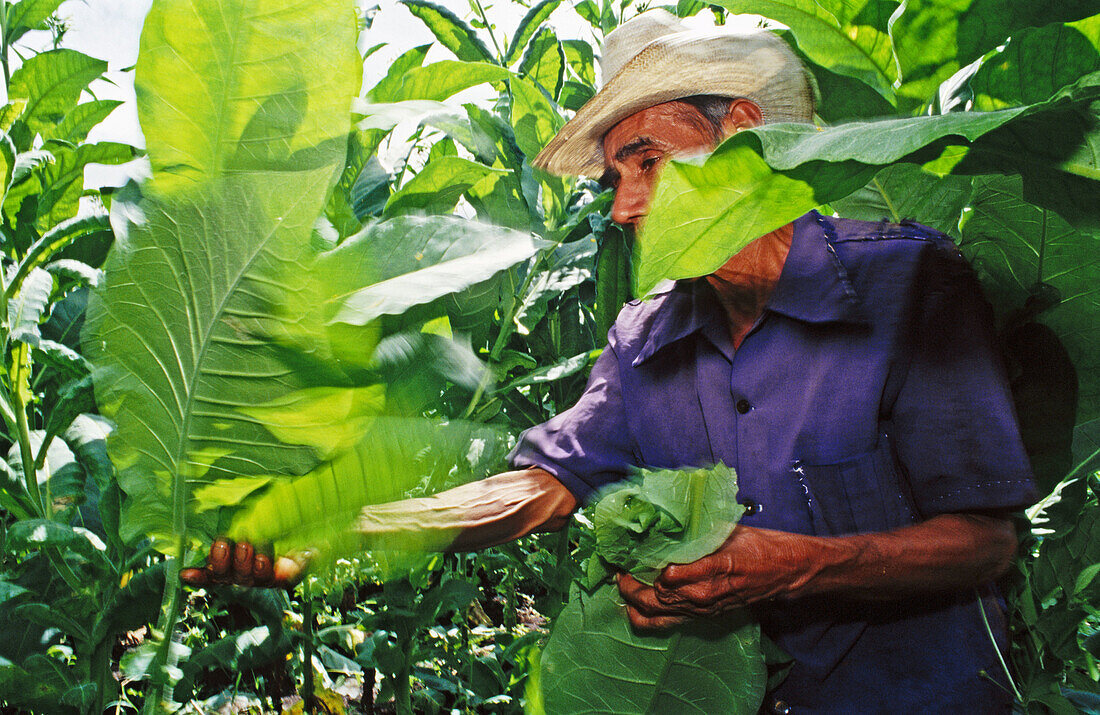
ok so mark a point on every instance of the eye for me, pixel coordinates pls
(649, 162)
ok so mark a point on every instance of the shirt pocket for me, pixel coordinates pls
(860, 494)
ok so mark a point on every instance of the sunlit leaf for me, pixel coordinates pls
(534, 118)
(452, 33)
(438, 81)
(833, 37)
(544, 62)
(52, 82)
(27, 15)
(80, 120)
(934, 38)
(762, 179)
(416, 260)
(528, 26)
(238, 183)
(438, 186)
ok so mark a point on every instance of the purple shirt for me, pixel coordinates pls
(867, 397)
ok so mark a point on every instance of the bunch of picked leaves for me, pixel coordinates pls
(595, 661)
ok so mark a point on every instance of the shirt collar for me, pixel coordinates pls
(813, 287)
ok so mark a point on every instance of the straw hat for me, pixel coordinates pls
(655, 58)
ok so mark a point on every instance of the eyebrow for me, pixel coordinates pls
(633, 148)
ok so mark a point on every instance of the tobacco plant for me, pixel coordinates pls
(288, 329)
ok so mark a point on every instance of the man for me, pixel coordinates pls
(844, 369)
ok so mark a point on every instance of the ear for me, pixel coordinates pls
(742, 114)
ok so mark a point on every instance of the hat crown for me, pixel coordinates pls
(625, 42)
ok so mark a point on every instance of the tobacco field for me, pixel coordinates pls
(331, 293)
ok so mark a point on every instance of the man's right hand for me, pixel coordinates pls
(244, 565)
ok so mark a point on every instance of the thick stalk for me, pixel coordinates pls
(402, 688)
(23, 435)
(166, 625)
(308, 701)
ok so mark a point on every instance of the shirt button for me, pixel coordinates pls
(752, 507)
(743, 406)
(781, 708)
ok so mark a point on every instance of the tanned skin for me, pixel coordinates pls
(950, 552)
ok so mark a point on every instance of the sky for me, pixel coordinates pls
(110, 30)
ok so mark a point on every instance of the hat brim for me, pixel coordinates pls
(755, 65)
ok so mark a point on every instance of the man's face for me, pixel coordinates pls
(637, 147)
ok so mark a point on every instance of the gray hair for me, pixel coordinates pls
(713, 108)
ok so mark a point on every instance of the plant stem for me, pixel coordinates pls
(169, 612)
(1042, 249)
(23, 432)
(886, 198)
(402, 688)
(489, 29)
(997, 650)
(4, 46)
(308, 702)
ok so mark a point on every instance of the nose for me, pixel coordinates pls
(631, 203)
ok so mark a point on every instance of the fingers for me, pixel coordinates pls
(289, 570)
(242, 563)
(263, 570)
(643, 610)
(218, 561)
(245, 565)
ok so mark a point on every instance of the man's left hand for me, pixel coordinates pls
(949, 552)
(752, 565)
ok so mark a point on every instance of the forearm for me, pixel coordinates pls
(950, 552)
(472, 516)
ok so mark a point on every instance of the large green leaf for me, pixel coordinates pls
(534, 117)
(1016, 247)
(245, 112)
(671, 516)
(452, 33)
(27, 15)
(1036, 64)
(408, 60)
(595, 662)
(934, 38)
(907, 192)
(78, 122)
(321, 510)
(711, 667)
(438, 186)
(835, 36)
(762, 179)
(415, 260)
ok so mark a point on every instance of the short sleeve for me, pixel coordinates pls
(588, 445)
(953, 419)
